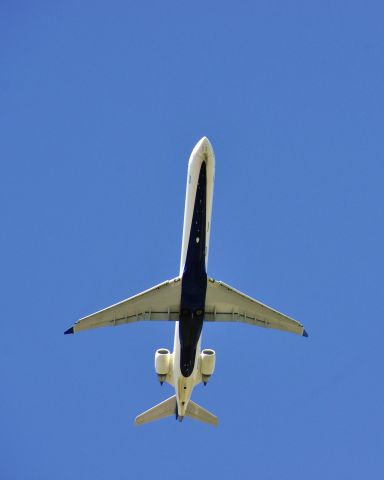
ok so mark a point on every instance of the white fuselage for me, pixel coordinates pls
(202, 152)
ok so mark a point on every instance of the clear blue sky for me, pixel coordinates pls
(101, 104)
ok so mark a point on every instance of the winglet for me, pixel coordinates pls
(305, 334)
(70, 330)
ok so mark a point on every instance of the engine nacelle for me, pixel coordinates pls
(208, 362)
(162, 363)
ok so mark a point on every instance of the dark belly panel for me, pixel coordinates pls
(194, 281)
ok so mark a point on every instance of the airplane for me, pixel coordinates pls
(189, 300)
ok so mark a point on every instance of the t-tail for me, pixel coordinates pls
(169, 407)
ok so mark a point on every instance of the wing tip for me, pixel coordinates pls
(69, 331)
(305, 333)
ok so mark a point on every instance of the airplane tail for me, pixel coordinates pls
(199, 413)
(162, 410)
(169, 407)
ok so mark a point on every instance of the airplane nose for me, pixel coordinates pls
(203, 146)
(202, 151)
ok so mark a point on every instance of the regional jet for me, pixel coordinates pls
(189, 300)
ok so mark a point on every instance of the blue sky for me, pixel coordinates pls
(101, 104)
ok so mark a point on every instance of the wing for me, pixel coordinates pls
(225, 304)
(161, 302)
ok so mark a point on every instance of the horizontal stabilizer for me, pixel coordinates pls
(162, 410)
(199, 413)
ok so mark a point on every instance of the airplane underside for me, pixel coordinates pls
(194, 282)
(189, 300)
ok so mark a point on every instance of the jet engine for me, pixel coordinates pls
(162, 363)
(208, 361)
